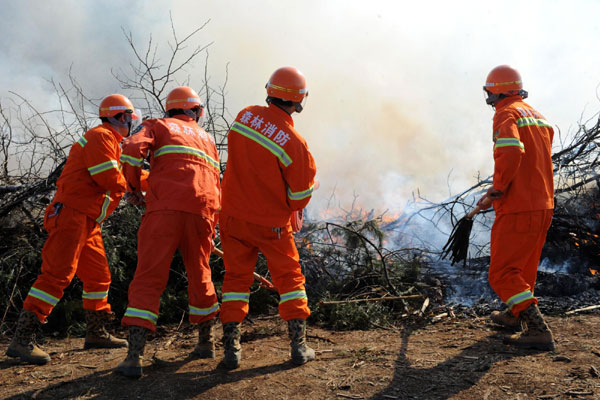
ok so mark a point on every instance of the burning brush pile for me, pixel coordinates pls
(568, 275)
(363, 270)
(373, 270)
(356, 279)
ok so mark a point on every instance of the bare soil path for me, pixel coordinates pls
(453, 359)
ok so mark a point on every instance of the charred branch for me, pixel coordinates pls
(575, 227)
(23, 193)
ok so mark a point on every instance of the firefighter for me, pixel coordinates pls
(182, 202)
(270, 174)
(88, 190)
(523, 199)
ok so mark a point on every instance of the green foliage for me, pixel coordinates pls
(20, 261)
(67, 318)
(348, 261)
(262, 301)
(351, 316)
(341, 261)
(119, 233)
(20, 247)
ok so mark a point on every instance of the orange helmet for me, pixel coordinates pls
(184, 98)
(287, 83)
(115, 104)
(503, 80)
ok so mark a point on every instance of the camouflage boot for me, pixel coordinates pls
(537, 334)
(22, 345)
(231, 340)
(301, 353)
(132, 365)
(206, 340)
(97, 337)
(506, 319)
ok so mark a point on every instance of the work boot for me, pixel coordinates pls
(132, 365)
(231, 340)
(301, 353)
(536, 333)
(506, 319)
(22, 345)
(97, 337)
(206, 340)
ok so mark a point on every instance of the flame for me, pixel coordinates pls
(307, 244)
(593, 271)
(392, 218)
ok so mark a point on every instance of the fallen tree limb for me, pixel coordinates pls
(378, 250)
(24, 192)
(349, 396)
(588, 308)
(9, 189)
(412, 296)
(578, 392)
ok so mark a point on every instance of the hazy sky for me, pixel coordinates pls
(396, 101)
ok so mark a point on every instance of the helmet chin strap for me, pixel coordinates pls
(523, 93)
(192, 114)
(124, 128)
(493, 98)
(195, 113)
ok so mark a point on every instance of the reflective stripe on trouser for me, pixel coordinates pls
(516, 246)
(74, 247)
(241, 242)
(160, 234)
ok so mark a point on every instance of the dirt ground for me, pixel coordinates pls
(462, 358)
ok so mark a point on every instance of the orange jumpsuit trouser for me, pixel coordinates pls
(241, 241)
(74, 247)
(160, 234)
(516, 245)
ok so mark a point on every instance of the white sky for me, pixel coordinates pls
(396, 100)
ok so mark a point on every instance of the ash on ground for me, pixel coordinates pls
(559, 288)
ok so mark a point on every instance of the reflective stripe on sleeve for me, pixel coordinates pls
(519, 298)
(43, 296)
(94, 295)
(203, 311)
(236, 296)
(104, 207)
(82, 141)
(143, 314)
(298, 294)
(300, 195)
(105, 166)
(174, 149)
(508, 142)
(528, 121)
(265, 142)
(134, 162)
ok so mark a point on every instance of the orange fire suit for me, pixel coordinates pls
(182, 201)
(270, 173)
(523, 172)
(89, 189)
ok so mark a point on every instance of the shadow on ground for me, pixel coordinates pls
(449, 377)
(161, 380)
